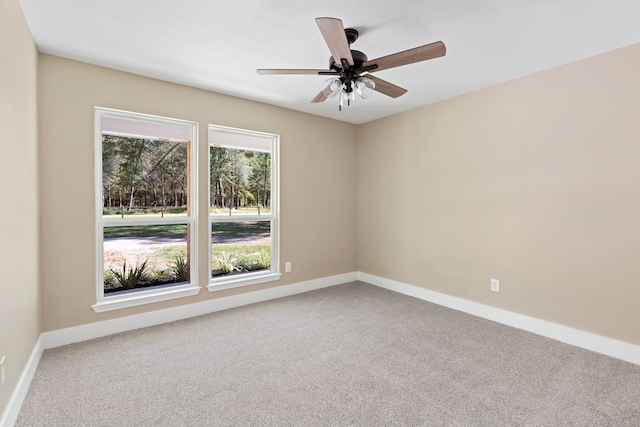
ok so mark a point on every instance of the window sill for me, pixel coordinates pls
(242, 280)
(133, 299)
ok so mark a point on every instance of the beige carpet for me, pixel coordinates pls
(347, 355)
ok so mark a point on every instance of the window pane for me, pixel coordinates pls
(240, 181)
(136, 257)
(143, 177)
(240, 247)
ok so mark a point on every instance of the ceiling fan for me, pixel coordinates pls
(350, 70)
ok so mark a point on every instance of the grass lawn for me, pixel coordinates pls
(236, 240)
(222, 229)
(168, 230)
(244, 210)
(143, 212)
(240, 229)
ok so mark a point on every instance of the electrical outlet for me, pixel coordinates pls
(495, 285)
(287, 267)
(3, 373)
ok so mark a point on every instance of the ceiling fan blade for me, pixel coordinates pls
(386, 88)
(417, 54)
(321, 97)
(333, 32)
(291, 71)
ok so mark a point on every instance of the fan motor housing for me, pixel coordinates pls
(358, 59)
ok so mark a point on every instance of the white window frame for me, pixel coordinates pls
(161, 293)
(250, 278)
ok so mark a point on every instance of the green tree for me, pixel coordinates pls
(260, 180)
(144, 172)
(220, 160)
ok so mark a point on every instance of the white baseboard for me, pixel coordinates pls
(15, 402)
(99, 329)
(576, 337)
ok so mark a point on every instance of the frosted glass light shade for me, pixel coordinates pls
(331, 87)
(364, 87)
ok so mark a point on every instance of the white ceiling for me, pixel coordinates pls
(218, 45)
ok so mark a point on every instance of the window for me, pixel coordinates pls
(145, 208)
(243, 207)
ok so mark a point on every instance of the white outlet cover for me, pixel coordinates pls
(495, 285)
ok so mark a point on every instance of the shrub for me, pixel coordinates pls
(130, 278)
(263, 259)
(109, 279)
(180, 269)
(158, 274)
(227, 262)
(245, 264)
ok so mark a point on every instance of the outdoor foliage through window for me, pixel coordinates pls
(240, 181)
(143, 177)
(145, 183)
(141, 256)
(241, 205)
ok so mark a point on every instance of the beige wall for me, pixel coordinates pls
(535, 182)
(318, 181)
(19, 212)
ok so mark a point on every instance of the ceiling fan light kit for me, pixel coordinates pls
(347, 67)
(348, 89)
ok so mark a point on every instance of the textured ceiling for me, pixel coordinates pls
(218, 45)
